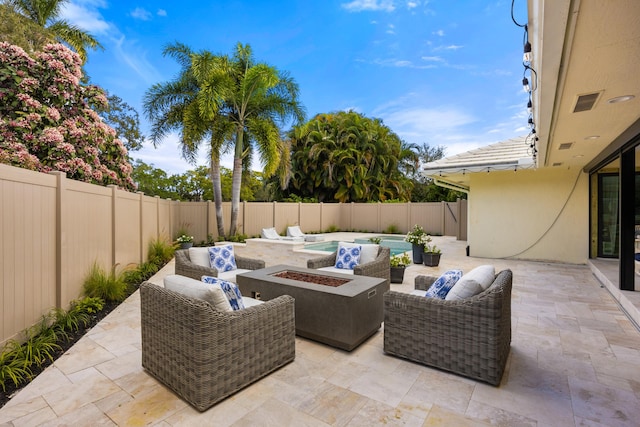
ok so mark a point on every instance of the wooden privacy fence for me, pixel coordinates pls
(52, 229)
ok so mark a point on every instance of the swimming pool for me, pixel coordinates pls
(396, 244)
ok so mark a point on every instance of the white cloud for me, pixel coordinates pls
(446, 125)
(453, 47)
(393, 62)
(140, 13)
(162, 12)
(128, 53)
(412, 4)
(439, 33)
(86, 16)
(374, 5)
(432, 58)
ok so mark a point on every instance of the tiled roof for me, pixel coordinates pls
(510, 154)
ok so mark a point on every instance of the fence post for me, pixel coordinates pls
(113, 188)
(60, 233)
(141, 222)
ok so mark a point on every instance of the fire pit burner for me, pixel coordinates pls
(311, 278)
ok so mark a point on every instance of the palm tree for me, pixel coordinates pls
(179, 105)
(45, 13)
(250, 100)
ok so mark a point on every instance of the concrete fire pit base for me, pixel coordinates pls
(342, 316)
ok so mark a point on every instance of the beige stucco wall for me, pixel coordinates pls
(523, 215)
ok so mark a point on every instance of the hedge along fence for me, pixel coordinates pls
(52, 230)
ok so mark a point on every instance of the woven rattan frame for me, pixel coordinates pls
(203, 354)
(380, 267)
(470, 337)
(184, 266)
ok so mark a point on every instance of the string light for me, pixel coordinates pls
(529, 85)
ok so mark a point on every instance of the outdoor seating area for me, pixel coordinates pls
(573, 359)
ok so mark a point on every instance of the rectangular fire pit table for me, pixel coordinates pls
(342, 316)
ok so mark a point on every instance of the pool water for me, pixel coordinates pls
(396, 244)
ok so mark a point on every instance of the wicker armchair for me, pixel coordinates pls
(380, 267)
(470, 337)
(184, 266)
(204, 354)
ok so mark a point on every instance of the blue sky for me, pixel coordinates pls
(442, 72)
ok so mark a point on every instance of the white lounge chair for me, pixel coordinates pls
(272, 234)
(295, 231)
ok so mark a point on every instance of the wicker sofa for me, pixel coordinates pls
(380, 267)
(204, 354)
(185, 267)
(470, 337)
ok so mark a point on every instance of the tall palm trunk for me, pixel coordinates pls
(217, 192)
(236, 181)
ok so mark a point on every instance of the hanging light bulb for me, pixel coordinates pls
(525, 84)
(529, 107)
(527, 52)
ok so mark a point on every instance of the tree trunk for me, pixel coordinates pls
(217, 193)
(236, 182)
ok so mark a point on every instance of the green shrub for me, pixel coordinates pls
(332, 229)
(392, 229)
(89, 305)
(160, 251)
(108, 286)
(12, 366)
(40, 346)
(132, 276)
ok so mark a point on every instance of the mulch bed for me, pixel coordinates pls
(312, 278)
(74, 336)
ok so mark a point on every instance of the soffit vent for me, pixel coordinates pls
(586, 102)
(557, 164)
(565, 146)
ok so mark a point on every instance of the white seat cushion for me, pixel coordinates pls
(419, 292)
(199, 256)
(230, 276)
(336, 270)
(192, 288)
(250, 302)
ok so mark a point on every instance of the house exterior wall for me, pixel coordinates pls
(530, 214)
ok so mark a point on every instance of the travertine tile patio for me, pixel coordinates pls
(575, 361)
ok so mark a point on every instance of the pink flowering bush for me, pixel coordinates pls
(47, 122)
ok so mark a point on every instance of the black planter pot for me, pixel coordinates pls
(397, 274)
(430, 259)
(417, 253)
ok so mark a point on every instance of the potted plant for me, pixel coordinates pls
(431, 254)
(185, 241)
(417, 239)
(398, 264)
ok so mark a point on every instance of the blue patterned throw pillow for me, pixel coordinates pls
(222, 259)
(443, 284)
(230, 290)
(348, 257)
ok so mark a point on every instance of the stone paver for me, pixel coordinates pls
(575, 360)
